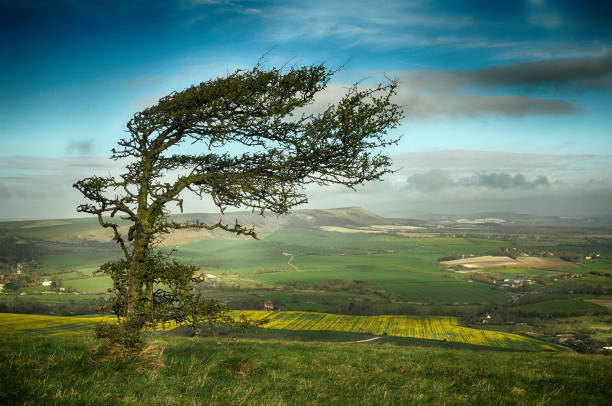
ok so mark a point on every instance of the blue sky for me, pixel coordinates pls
(523, 77)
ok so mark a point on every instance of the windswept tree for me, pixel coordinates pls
(262, 112)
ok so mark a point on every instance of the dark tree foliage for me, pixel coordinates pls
(254, 109)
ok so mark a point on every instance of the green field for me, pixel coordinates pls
(566, 308)
(98, 284)
(55, 298)
(406, 267)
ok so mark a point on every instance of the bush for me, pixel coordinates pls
(118, 333)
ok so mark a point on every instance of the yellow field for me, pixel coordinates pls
(32, 323)
(434, 327)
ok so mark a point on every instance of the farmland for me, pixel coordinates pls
(489, 261)
(47, 325)
(439, 328)
(322, 261)
(430, 328)
(331, 288)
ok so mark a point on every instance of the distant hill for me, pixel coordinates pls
(88, 229)
(517, 219)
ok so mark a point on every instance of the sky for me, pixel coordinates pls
(506, 104)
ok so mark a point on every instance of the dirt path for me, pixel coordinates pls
(361, 341)
(295, 268)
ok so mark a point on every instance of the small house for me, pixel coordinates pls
(46, 283)
(268, 305)
(563, 338)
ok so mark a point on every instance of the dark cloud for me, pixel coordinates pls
(427, 94)
(421, 106)
(81, 147)
(585, 73)
(431, 181)
(503, 180)
(437, 180)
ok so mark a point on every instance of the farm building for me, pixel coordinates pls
(562, 338)
(207, 277)
(268, 305)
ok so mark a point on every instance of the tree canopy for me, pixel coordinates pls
(260, 111)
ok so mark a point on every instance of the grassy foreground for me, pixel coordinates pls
(75, 370)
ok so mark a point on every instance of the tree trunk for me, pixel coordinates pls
(134, 319)
(132, 322)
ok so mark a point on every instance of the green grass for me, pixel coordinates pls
(407, 269)
(54, 298)
(64, 276)
(75, 260)
(562, 308)
(91, 285)
(61, 370)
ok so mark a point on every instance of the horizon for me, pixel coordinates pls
(422, 217)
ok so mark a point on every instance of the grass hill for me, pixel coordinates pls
(76, 370)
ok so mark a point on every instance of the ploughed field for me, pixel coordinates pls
(439, 328)
(489, 261)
